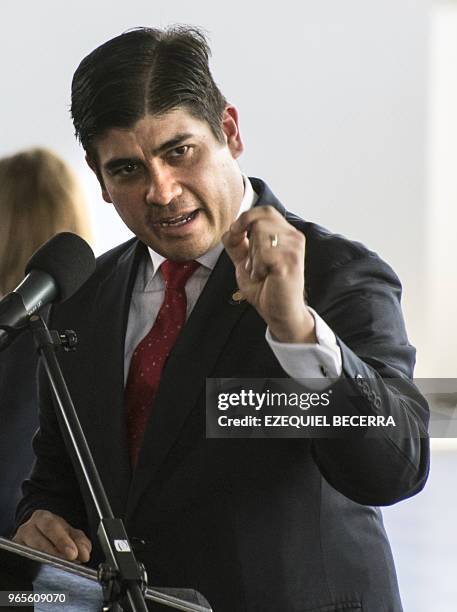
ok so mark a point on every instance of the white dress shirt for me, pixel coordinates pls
(311, 361)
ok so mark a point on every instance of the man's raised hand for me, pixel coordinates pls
(269, 257)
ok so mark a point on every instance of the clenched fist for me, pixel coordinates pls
(269, 257)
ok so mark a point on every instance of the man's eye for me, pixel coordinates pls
(179, 151)
(127, 170)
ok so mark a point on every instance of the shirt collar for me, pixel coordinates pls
(208, 259)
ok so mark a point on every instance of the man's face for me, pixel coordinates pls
(171, 181)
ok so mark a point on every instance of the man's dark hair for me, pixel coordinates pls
(144, 71)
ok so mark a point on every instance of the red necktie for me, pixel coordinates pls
(150, 355)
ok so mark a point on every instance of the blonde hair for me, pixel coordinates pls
(39, 197)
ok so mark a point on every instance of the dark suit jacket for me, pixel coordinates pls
(258, 525)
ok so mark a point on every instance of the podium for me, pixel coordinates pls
(24, 569)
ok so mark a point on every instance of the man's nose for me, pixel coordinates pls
(163, 187)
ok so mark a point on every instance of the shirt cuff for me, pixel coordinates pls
(316, 362)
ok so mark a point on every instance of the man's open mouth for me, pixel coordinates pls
(179, 220)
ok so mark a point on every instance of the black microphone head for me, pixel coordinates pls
(68, 259)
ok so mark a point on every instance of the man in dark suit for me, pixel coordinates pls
(254, 524)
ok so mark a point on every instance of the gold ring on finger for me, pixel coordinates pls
(274, 240)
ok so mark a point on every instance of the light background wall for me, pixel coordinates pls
(348, 110)
(332, 95)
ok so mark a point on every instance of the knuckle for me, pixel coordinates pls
(295, 257)
(270, 210)
(297, 246)
(244, 217)
(61, 540)
(44, 516)
(298, 236)
(40, 514)
(46, 519)
(81, 537)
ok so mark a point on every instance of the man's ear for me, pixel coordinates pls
(94, 167)
(231, 130)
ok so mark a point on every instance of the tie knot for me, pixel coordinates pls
(177, 273)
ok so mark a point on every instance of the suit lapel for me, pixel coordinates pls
(108, 415)
(265, 196)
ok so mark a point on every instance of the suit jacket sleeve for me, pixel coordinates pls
(359, 298)
(52, 484)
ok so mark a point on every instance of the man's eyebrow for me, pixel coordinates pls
(118, 162)
(173, 142)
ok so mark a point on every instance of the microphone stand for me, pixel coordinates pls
(121, 574)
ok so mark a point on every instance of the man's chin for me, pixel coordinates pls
(183, 250)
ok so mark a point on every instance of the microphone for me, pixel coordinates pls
(54, 273)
